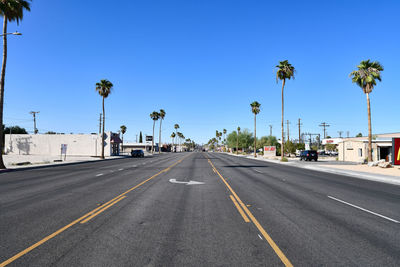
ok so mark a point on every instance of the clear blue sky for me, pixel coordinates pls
(203, 62)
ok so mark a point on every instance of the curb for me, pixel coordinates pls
(394, 180)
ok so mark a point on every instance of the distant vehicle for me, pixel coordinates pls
(333, 153)
(309, 155)
(137, 153)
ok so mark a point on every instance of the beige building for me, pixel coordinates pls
(355, 149)
(50, 144)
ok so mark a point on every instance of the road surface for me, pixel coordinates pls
(195, 209)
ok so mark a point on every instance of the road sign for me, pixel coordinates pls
(396, 151)
(269, 151)
(149, 138)
(64, 151)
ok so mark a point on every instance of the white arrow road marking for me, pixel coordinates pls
(360, 208)
(174, 181)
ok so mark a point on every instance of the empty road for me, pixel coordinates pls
(195, 209)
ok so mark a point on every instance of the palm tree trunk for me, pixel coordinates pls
(102, 136)
(369, 130)
(255, 137)
(159, 139)
(237, 144)
(282, 146)
(152, 140)
(122, 146)
(3, 75)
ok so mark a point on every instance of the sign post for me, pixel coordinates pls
(64, 151)
(396, 151)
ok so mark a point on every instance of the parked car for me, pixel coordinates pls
(137, 153)
(309, 155)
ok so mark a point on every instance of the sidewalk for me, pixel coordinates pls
(377, 174)
(24, 161)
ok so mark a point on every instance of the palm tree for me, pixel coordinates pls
(154, 116)
(176, 126)
(104, 88)
(237, 141)
(255, 108)
(180, 135)
(162, 116)
(224, 131)
(11, 10)
(123, 131)
(172, 137)
(285, 71)
(365, 77)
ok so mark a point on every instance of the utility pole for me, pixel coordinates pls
(324, 125)
(100, 124)
(35, 130)
(136, 138)
(288, 136)
(348, 134)
(299, 124)
(270, 130)
(340, 134)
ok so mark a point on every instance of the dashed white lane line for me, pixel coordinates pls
(134, 166)
(100, 174)
(260, 237)
(121, 169)
(360, 208)
(258, 171)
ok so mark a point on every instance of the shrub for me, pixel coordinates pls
(284, 159)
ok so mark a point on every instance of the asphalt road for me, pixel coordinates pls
(127, 212)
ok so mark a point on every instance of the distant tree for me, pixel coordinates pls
(14, 130)
(365, 76)
(301, 146)
(290, 147)
(172, 137)
(50, 132)
(284, 71)
(104, 88)
(11, 10)
(123, 131)
(359, 135)
(267, 141)
(176, 127)
(237, 140)
(224, 132)
(162, 116)
(330, 147)
(154, 116)
(140, 137)
(255, 109)
(328, 136)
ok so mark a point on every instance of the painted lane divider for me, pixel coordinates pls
(103, 206)
(264, 233)
(365, 210)
(100, 174)
(103, 209)
(245, 218)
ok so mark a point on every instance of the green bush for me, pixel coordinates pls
(284, 159)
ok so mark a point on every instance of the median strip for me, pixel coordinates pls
(264, 233)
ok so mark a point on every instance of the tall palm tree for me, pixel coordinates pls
(123, 131)
(172, 137)
(224, 131)
(237, 141)
(11, 10)
(104, 88)
(162, 116)
(176, 126)
(365, 77)
(255, 108)
(284, 71)
(154, 116)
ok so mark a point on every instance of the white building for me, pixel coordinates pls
(50, 144)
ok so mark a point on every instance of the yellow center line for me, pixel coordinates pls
(270, 241)
(103, 209)
(245, 218)
(59, 231)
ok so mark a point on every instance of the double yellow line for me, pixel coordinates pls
(88, 216)
(247, 214)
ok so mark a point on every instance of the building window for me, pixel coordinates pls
(360, 152)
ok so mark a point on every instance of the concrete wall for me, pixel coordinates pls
(50, 144)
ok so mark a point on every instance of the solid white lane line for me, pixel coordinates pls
(360, 208)
(100, 174)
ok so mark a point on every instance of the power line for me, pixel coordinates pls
(324, 125)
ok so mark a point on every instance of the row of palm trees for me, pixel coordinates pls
(366, 75)
(177, 135)
(155, 116)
